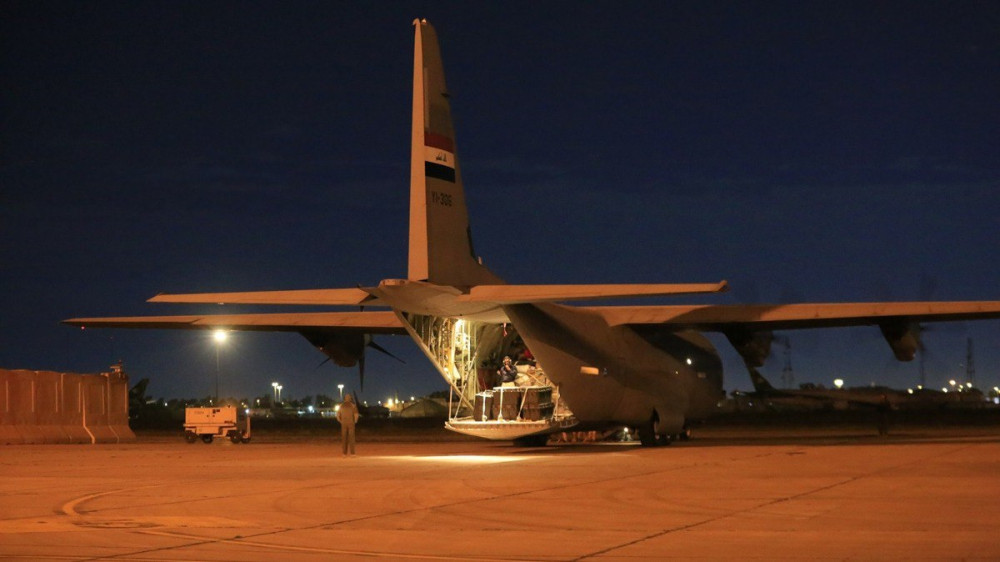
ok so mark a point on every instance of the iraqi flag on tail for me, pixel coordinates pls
(439, 157)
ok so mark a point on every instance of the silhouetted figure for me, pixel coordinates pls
(884, 410)
(347, 415)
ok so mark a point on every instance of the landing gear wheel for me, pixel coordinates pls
(190, 436)
(649, 434)
(206, 438)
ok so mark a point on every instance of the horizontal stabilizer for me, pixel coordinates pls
(315, 297)
(376, 322)
(797, 316)
(515, 294)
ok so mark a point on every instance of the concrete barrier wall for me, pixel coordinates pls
(49, 407)
(7, 432)
(72, 408)
(118, 407)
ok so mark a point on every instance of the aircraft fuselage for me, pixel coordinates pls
(615, 374)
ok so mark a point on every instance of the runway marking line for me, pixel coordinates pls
(245, 539)
(764, 504)
(69, 508)
(243, 542)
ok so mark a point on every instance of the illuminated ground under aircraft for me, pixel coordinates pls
(647, 367)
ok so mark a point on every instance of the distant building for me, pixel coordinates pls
(424, 408)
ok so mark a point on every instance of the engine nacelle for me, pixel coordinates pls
(903, 337)
(753, 346)
(343, 349)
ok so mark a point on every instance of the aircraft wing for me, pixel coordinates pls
(796, 316)
(374, 322)
(351, 296)
(514, 294)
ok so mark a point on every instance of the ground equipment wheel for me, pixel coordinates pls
(190, 436)
(206, 438)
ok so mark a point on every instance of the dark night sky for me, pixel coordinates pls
(805, 151)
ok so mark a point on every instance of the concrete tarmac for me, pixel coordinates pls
(726, 496)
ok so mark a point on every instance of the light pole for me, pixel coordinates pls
(274, 388)
(340, 387)
(220, 337)
(279, 393)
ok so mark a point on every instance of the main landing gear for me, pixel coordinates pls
(652, 435)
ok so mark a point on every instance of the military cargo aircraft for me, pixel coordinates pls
(810, 396)
(648, 367)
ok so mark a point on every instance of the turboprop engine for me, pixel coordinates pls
(903, 337)
(753, 346)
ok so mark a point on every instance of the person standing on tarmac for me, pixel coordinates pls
(347, 415)
(884, 410)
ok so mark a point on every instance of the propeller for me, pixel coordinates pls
(908, 339)
(346, 349)
(361, 360)
(927, 288)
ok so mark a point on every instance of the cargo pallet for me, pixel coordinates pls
(511, 413)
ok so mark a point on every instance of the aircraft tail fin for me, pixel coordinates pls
(441, 248)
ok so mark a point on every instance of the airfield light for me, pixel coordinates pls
(952, 382)
(336, 408)
(689, 361)
(968, 385)
(412, 399)
(839, 383)
(909, 391)
(944, 389)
